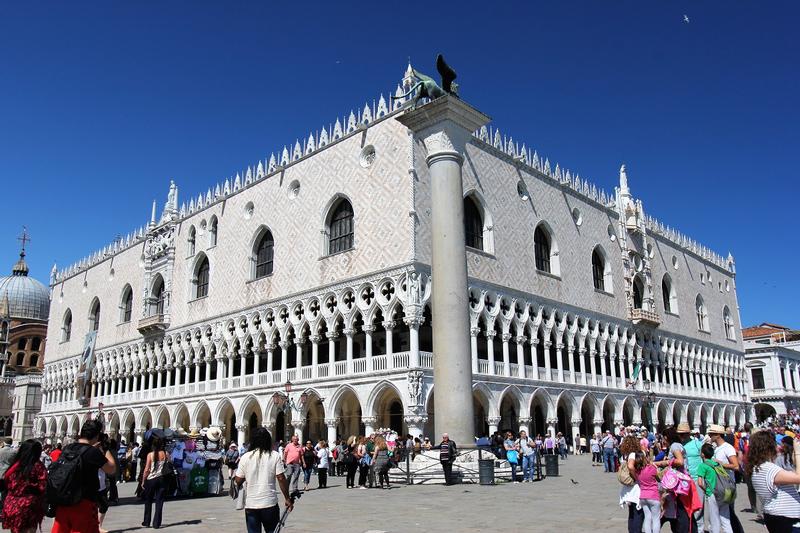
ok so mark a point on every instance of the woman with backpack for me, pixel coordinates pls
(25, 483)
(348, 458)
(776, 487)
(630, 493)
(154, 484)
(380, 458)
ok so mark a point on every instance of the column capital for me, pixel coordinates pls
(349, 332)
(493, 420)
(506, 337)
(368, 329)
(389, 325)
(520, 339)
(369, 420)
(474, 331)
(298, 424)
(525, 420)
(552, 421)
(315, 339)
(332, 335)
(490, 334)
(331, 422)
(284, 344)
(445, 125)
(415, 420)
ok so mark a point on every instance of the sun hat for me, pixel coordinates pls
(194, 433)
(233, 445)
(715, 429)
(683, 427)
(214, 434)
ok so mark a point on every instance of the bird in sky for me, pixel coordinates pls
(686, 19)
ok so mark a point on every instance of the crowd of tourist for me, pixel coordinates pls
(677, 477)
(689, 480)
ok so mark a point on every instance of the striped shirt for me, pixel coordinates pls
(779, 500)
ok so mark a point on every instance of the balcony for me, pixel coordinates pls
(645, 317)
(153, 324)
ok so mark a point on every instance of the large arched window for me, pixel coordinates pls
(341, 229)
(727, 322)
(601, 271)
(263, 254)
(191, 241)
(669, 295)
(66, 327)
(126, 305)
(94, 315)
(638, 292)
(155, 305)
(212, 231)
(473, 224)
(201, 278)
(545, 251)
(702, 314)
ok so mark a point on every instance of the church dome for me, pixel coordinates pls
(23, 297)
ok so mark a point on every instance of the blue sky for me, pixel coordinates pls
(102, 103)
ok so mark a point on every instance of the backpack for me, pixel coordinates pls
(346, 456)
(64, 478)
(725, 489)
(676, 481)
(624, 475)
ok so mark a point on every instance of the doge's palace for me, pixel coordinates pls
(309, 274)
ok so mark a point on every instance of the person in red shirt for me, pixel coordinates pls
(293, 459)
(56, 453)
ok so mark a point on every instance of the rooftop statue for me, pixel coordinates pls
(426, 87)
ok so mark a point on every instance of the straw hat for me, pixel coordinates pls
(683, 427)
(214, 434)
(715, 429)
(194, 434)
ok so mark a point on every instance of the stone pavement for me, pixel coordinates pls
(552, 505)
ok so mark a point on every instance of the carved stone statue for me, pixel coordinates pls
(426, 87)
(415, 386)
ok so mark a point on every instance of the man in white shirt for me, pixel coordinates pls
(726, 456)
(262, 468)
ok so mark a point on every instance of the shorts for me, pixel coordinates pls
(79, 518)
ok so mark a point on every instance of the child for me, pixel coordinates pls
(707, 481)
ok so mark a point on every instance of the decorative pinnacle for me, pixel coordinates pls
(623, 180)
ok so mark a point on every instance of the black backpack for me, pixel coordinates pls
(64, 478)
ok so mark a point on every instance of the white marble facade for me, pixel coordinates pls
(351, 330)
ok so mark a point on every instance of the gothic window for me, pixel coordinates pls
(638, 292)
(702, 314)
(126, 305)
(727, 321)
(94, 316)
(263, 254)
(212, 232)
(34, 360)
(541, 249)
(341, 229)
(601, 270)
(66, 328)
(473, 224)
(669, 295)
(191, 240)
(201, 278)
(36, 344)
(156, 302)
(21, 343)
(20, 358)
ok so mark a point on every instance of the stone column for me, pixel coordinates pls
(349, 332)
(598, 426)
(548, 375)
(330, 423)
(525, 424)
(369, 424)
(413, 323)
(571, 364)
(158, 377)
(229, 373)
(551, 426)
(315, 355)
(368, 329)
(493, 422)
(473, 345)
(490, 350)
(197, 364)
(270, 361)
(298, 426)
(582, 357)
(242, 367)
(446, 125)
(331, 352)
(389, 326)
(284, 358)
(520, 340)
(256, 367)
(593, 367)
(560, 361)
(575, 430)
(506, 357)
(415, 424)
